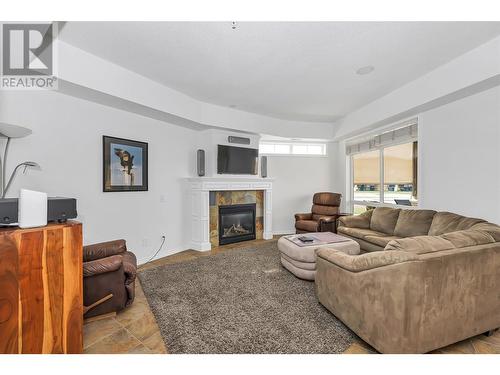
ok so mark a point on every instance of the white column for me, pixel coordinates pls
(268, 214)
(200, 235)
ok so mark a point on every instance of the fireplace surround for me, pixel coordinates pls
(199, 189)
(236, 223)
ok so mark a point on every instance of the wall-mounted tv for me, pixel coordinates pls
(236, 160)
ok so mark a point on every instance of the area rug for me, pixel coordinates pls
(240, 301)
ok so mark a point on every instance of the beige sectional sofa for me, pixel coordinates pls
(426, 280)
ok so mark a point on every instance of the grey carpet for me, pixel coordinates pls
(240, 301)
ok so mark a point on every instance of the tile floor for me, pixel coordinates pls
(133, 331)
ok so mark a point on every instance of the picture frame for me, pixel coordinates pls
(125, 165)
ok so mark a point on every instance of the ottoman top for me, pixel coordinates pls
(319, 238)
(308, 253)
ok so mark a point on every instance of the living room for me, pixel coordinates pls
(250, 187)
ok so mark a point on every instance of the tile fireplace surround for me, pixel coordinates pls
(200, 189)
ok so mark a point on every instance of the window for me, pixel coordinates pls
(366, 176)
(394, 168)
(293, 148)
(399, 178)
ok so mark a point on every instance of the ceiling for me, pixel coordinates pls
(290, 70)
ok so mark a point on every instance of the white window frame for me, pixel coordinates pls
(291, 144)
(381, 203)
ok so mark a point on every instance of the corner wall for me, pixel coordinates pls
(296, 179)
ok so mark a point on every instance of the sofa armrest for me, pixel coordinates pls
(356, 221)
(307, 216)
(364, 262)
(100, 266)
(129, 267)
(103, 250)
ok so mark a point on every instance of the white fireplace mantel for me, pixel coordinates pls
(200, 213)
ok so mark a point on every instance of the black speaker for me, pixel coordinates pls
(240, 140)
(8, 210)
(200, 162)
(263, 166)
(58, 209)
(61, 209)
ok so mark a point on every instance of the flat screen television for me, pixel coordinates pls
(236, 160)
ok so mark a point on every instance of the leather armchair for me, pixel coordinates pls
(323, 215)
(109, 272)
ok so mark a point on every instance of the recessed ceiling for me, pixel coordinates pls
(290, 70)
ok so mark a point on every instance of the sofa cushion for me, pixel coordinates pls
(446, 222)
(381, 240)
(413, 223)
(492, 229)
(359, 232)
(384, 219)
(420, 244)
(357, 221)
(366, 246)
(307, 225)
(464, 238)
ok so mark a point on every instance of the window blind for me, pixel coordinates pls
(407, 131)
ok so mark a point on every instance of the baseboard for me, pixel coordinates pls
(283, 232)
(161, 254)
(166, 253)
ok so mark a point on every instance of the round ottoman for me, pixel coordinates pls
(301, 260)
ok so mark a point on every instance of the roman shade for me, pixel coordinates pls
(404, 132)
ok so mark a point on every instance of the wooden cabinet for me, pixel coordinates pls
(41, 302)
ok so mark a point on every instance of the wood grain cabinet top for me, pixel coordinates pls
(41, 303)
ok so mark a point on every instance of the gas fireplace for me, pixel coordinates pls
(236, 223)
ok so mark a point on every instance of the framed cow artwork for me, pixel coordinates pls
(125, 165)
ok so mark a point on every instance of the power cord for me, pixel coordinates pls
(155, 254)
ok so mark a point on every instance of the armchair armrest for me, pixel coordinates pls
(129, 267)
(307, 216)
(103, 250)
(356, 221)
(100, 266)
(364, 262)
(328, 219)
(328, 223)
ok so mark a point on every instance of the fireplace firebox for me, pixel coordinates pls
(236, 223)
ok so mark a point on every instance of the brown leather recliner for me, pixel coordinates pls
(109, 272)
(323, 216)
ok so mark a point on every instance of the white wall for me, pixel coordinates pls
(296, 179)
(459, 148)
(338, 173)
(67, 143)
